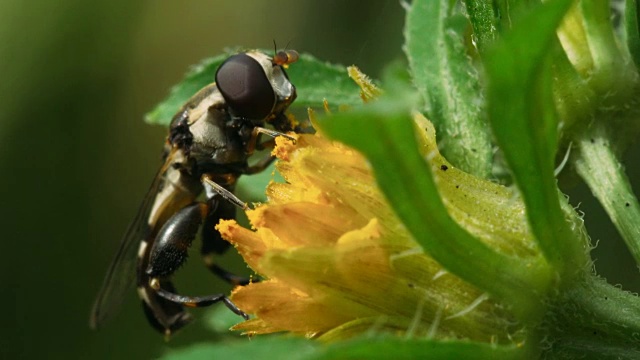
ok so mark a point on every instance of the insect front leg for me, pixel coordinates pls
(254, 143)
(213, 244)
(214, 188)
(169, 252)
(223, 203)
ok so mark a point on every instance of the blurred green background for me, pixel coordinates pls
(76, 158)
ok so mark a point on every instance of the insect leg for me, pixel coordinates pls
(273, 133)
(196, 301)
(169, 252)
(255, 136)
(213, 243)
(165, 316)
(222, 191)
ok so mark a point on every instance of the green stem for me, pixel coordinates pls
(632, 31)
(483, 20)
(504, 14)
(573, 97)
(595, 318)
(572, 348)
(613, 69)
(610, 309)
(602, 42)
(599, 167)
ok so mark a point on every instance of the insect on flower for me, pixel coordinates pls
(208, 147)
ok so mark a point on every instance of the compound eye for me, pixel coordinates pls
(245, 87)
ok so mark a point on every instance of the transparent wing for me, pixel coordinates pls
(122, 271)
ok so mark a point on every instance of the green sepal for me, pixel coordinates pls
(448, 83)
(524, 121)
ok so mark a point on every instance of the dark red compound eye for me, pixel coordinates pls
(245, 87)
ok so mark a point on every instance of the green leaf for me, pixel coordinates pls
(448, 83)
(315, 81)
(385, 135)
(252, 188)
(271, 347)
(397, 348)
(524, 122)
(263, 347)
(219, 320)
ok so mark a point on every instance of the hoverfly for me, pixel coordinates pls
(210, 141)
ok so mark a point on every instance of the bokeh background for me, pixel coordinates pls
(76, 78)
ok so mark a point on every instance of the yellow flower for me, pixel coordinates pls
(337, 262)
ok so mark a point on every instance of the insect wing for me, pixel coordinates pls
(122, 271)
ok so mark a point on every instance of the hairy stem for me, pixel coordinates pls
(598, 164)
(593, 317)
